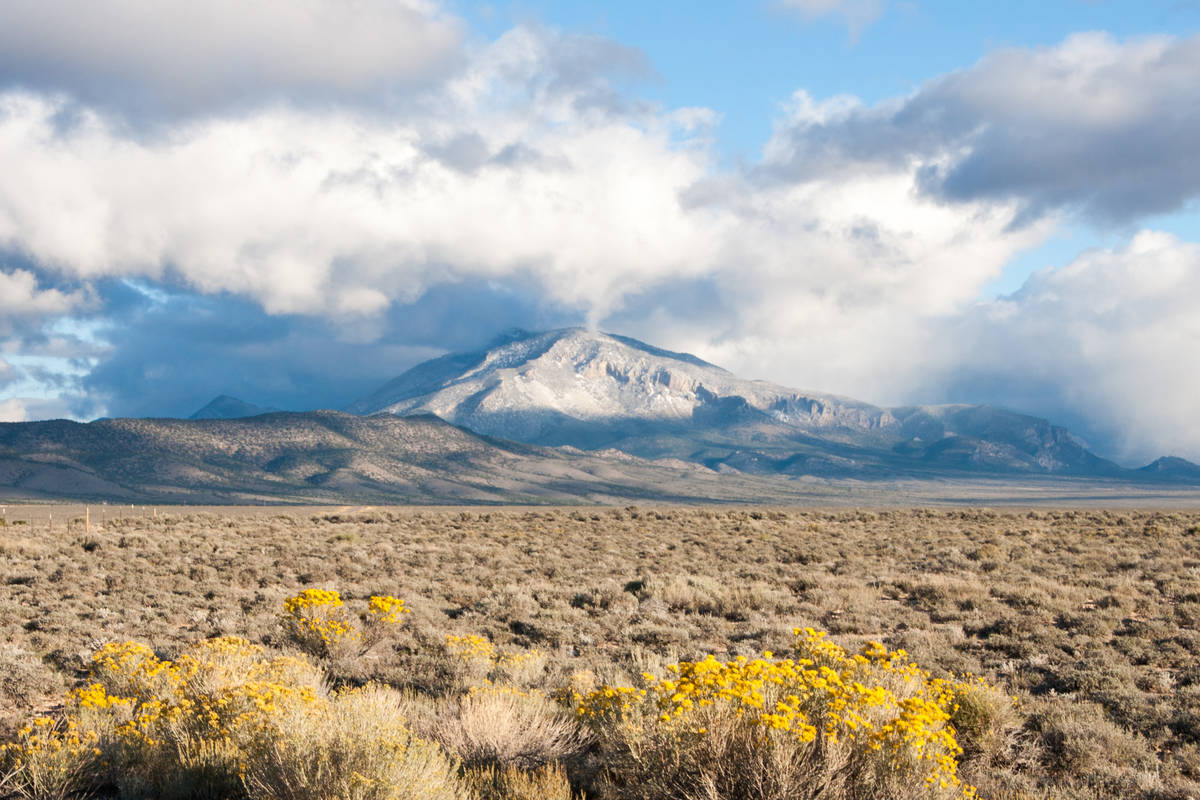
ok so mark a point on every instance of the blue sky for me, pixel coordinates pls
(900, 201)
(746, 62)
(746, 59)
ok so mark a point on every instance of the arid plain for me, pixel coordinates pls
(1088, 618)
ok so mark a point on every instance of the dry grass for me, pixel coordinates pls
(1088, 617)
(500, 726)
(357, 748)
(548, 782)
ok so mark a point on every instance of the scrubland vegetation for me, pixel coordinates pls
(608, 653)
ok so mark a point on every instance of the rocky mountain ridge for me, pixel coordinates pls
(594, 391)
(603, 419)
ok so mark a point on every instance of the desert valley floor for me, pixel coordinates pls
(1090, 619)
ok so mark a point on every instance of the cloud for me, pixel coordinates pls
(27, 409)
(21, 297)
(1111, 340)
(1108, 344)
(321, 211)
(13, 410)
(180, 56)
(170, 352)
(1094, 126)
(856, 14)
(301, 255)
(341, 216)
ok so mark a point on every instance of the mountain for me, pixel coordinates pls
(1171, 468)
(225, 407)
(602, 418)
(595, 390)
(327, 456)
(581, 388)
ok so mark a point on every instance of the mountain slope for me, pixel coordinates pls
(332, 457)
(1171, 468)
(573, 386)
(594, 390)
(225, 407)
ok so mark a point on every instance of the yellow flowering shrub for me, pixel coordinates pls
(384, 608)
(126, 669)
(485, 664)
(227, 718)
(475, 649)
(317, 621)
(871, 722)
(50, 759)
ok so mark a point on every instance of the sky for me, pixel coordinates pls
(902, 202)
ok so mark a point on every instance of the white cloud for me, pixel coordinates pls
(13, 410)
(1091, 125)
(1114, 337)
(833, 266)
(316, 211)
(856, 14)
(331, 213)
(20, 296)
(26, 409)
(183, 55)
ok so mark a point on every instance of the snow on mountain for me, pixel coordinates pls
(528, 386)
(596, 390)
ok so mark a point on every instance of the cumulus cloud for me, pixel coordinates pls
(13, 410)
(21, 296)
(1092, 125)
(180, 56)
(317, 211)
(1111, 340)
(341, 216)
(27, 409)
(300, 255)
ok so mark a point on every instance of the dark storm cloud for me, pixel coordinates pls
(1106, 129)
(170, 353)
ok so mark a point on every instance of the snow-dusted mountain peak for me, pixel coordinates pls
(532, 386)
(595, 390)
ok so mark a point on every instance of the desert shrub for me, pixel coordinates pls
(984, 720)
(193, 741)
(470, 657)
(224, 721)
(354, 746)
(548, 782)
(51, 759)
(504, 726)
(153, 728)
(131, 669)
(478, 661)
(1080, 744)
(318, 622)
(825, 724)
(24, 680)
